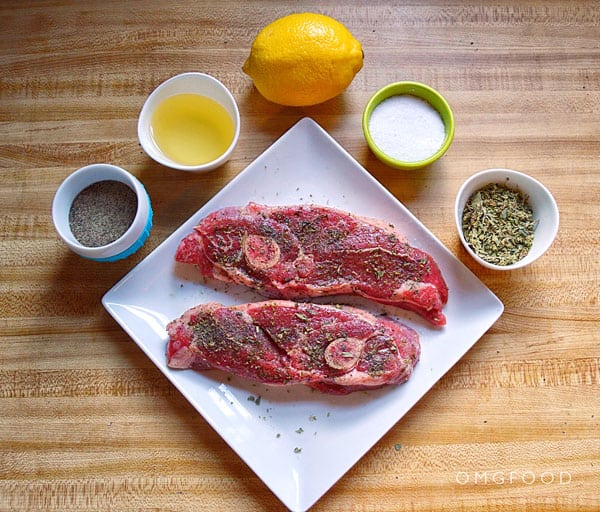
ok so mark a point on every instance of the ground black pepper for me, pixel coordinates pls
(102, 212)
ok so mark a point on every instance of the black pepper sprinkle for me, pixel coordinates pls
(102, 212)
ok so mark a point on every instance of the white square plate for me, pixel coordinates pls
(299, 441)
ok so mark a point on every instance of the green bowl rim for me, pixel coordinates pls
(414, 89)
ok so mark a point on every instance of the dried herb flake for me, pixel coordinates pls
(498, 224)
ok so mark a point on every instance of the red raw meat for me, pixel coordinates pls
(335, 349)
(306, 251)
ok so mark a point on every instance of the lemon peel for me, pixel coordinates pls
(303, 59)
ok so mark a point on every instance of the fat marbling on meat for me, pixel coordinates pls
(335, 349)
(303, 251)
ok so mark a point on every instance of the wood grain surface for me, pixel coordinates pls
(86, 420)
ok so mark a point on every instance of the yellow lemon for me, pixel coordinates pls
(303, 59)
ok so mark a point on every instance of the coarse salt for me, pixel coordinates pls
(407, 128)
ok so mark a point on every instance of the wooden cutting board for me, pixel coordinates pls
(88, 423)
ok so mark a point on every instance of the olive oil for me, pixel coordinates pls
(191, 129)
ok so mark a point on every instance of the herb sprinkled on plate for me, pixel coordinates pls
(255, 399)
(498, 224)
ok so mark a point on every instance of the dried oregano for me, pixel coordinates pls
(498, 224)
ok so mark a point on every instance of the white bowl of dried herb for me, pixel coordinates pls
(505, 218)
(102, 212)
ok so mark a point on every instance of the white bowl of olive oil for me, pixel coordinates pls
(505, 218)
(190, 122)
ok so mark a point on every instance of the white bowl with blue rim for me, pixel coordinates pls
(125, 245)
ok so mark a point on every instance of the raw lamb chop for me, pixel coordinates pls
(334, 349)
(294, 252)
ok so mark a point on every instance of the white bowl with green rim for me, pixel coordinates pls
(132, 239)
(422, 92)
(539, 198)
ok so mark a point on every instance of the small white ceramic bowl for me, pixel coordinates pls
(544, 207)
(130, 241)
(187, 83)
